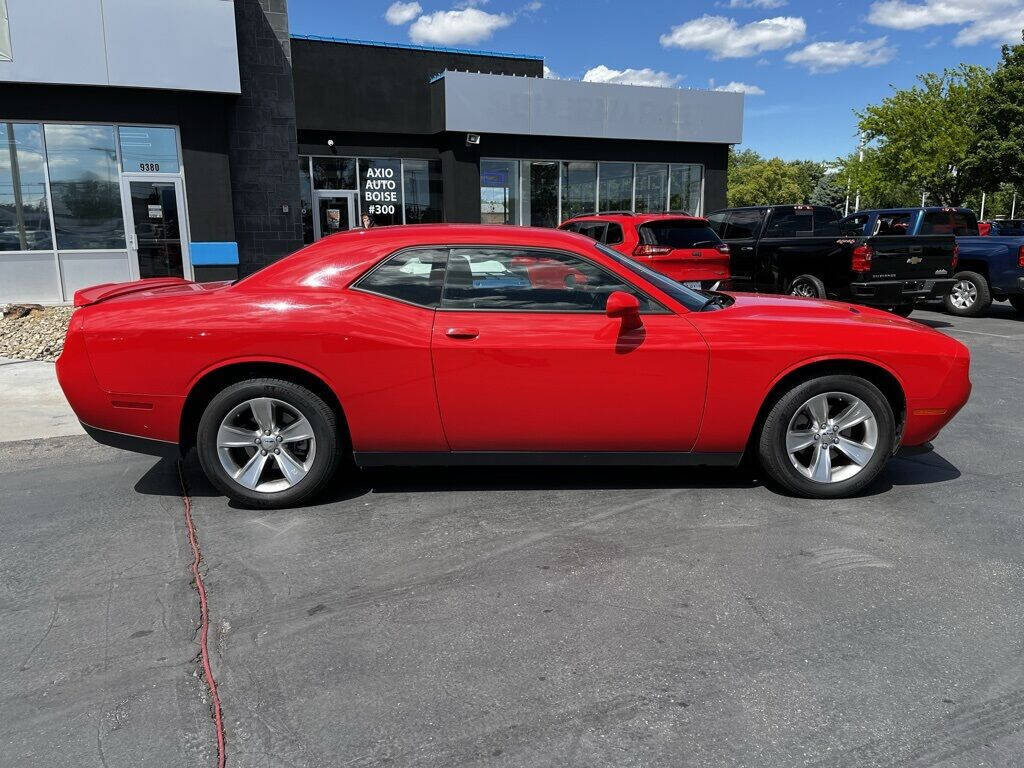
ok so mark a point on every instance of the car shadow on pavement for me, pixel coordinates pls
(919, 468)
(932, 323)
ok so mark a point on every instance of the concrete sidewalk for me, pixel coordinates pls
(32, 402)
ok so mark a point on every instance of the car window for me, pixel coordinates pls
(894, 223)
(571, 227)
(790, 222)
(949, 223)
(688, 297)
(531, 281)
(854, 225)
(742, 225)
(826, 223)
(595, 230)
(415, 276)
(614, 235)
(679, 233)
(717, 222)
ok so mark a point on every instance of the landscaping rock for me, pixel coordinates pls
(33, 332)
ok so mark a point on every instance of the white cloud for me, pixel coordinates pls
(836, 55)
(738, 87)
(980, 20)
(757, 3)
(603, 74)
(402, 13)
(470, 25)
(726, 39)
(550, 74)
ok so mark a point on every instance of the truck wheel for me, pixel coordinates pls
(1017, 302)
(970, 295)
(808, 287)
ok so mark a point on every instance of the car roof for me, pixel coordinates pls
(634, 218)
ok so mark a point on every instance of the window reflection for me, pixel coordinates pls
(24, 218)
(684, 188)
(651, 187)
(540, 193)
(616, 188)
(145, 149)
(306, 200)
(84, 187)
(499, 191)
(422, 185)
(579, 189)
(334, 172)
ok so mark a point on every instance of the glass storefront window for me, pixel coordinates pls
(85, 187)
(540, 193)
(6, 54)
(306, 200)
(148, 150)
(499, 191)
(651, 187)
(380, 190)
(334, 173)
(684, 183)
(616, 188)
(579, 189)
(422, 186)
(24, 217)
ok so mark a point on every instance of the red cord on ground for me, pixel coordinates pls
(204, 621)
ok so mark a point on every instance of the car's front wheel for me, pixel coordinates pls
(828, 437)
(268, 443)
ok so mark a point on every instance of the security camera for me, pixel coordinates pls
(330, 142)
(473, 139)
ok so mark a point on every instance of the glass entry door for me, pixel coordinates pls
(333, 212)
(158, 239)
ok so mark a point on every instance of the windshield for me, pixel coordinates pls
(692, 300)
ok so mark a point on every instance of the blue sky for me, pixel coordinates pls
(804, 65)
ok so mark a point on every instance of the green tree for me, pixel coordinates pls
(768, 182)
(830, 191)
(925, 135)
(808, 174)
(875, 182)
(997, 156)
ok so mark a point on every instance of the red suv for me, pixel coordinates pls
(683, 247)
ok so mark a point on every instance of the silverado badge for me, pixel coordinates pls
(914, 260)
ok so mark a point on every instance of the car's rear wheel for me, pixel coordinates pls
(828, 437)
(807, 286)
(268, 443)
(970, 295)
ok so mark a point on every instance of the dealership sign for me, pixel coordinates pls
(380, 190)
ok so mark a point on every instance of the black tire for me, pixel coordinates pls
(775, 459)
(806, 286)
(322, 419)
(980, 304)
(1017, 302)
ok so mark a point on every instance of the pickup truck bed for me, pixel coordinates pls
(803, 250)
(989, 268)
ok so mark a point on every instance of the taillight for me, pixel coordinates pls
(1020, 257)
(956, 255)
(860, 259)
(648, 251)
(723, 248)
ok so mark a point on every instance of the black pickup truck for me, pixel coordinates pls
(803, 250)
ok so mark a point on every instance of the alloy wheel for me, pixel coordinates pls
(803, 288)
(266, 445)
(964, 294)
(832, 437)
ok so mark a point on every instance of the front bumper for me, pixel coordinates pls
(896, 292)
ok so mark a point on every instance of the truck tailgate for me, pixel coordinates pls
(918, 257)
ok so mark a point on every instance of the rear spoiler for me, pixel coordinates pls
(97, 293)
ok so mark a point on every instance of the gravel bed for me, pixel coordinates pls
(37, 336)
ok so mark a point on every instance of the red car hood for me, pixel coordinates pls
(755, 305)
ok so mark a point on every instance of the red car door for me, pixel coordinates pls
(521, 365)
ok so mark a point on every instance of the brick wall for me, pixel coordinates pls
(262, 138)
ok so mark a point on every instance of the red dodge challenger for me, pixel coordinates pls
(466, 344)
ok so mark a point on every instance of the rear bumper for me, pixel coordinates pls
(895, 292)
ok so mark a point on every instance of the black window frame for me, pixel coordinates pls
(658, 308)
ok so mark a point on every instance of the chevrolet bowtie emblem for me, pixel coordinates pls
(914, 260)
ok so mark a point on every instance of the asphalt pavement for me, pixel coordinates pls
(527, 617)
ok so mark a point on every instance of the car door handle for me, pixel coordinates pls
(462, 333)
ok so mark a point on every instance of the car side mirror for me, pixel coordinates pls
(625, 307)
